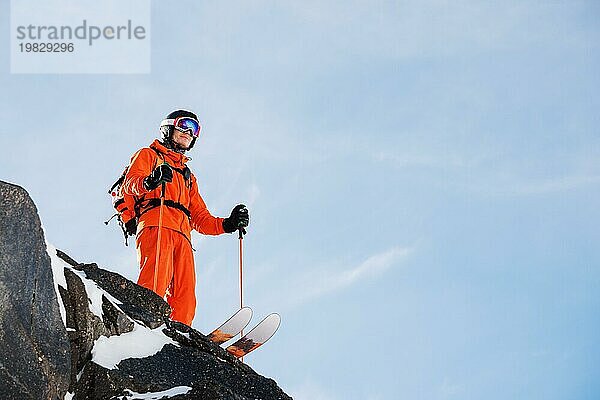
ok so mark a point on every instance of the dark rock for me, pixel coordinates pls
(139, 303)
(97, 382)
(34, 348)
(208, 369)
(189, 366)
(115, 320)
(209, 378)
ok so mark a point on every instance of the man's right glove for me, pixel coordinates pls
(239, 218)
(162, 173)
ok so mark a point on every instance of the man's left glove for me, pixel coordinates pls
(239, 218)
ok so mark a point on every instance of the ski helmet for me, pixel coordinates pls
(167, 126)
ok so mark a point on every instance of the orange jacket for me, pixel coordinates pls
(179, 190)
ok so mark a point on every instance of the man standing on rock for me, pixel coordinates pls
(169, 206)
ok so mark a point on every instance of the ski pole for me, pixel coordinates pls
(241, 237)
(160, 221)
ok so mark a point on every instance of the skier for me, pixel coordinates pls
(169, 207)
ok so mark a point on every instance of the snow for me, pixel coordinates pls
(110, 351)
(94, 292)
(158, 395)
(139, 343)
(58, 273)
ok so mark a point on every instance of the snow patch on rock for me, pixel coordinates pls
(158, 395)
(58, 273)
(139, 343)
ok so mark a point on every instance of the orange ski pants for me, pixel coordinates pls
(176, 277)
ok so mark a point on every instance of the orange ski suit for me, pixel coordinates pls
(183, 211)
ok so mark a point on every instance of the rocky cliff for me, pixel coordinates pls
(76, 331)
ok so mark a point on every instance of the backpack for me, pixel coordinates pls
(129, 207)
(125, 206)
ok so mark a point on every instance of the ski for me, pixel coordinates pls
(256, 337)
(232, 326)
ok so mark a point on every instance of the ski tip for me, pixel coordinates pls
(246, 311)
(275, 316)
(273, 319)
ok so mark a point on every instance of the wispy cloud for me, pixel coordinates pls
(558, 184)
(489, 174)
(315, 284)
(432, 28)
(450, 389)
(420, 160)
(510, 185)
(374, 265)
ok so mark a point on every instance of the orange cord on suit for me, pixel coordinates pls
(160, 218)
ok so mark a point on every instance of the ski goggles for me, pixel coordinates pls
(184, 124)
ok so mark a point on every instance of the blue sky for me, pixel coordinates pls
(423, 181)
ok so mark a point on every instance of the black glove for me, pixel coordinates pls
(239, 218)
(162, 173)
(131, 227)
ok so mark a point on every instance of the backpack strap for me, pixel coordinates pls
(185, 171)
(153, 203)
(140, 208)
